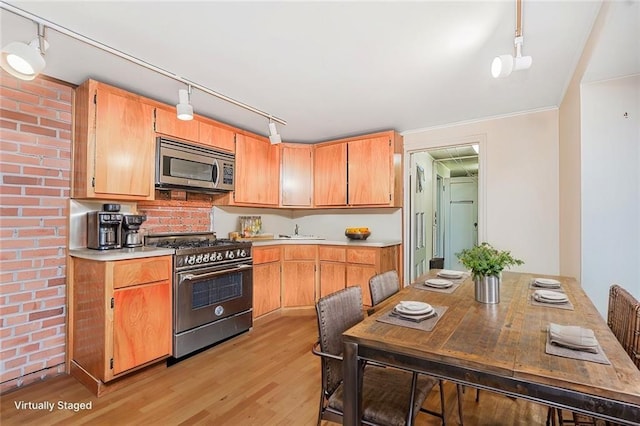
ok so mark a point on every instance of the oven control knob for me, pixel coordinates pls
(191, 260)
(205, 258)
(219, 256)
(243, 253)
(199, 259)
(230, 255)
(219, 310)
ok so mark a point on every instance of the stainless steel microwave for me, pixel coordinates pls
(189, 167)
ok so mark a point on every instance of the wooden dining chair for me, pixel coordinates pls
(623, 318)
(389, 396)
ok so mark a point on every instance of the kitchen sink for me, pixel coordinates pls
(299, 237)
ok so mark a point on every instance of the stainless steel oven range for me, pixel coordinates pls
(212, 288)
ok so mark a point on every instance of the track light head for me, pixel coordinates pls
(184, 108)
(274, 137)
(504, 65)
(24, 61)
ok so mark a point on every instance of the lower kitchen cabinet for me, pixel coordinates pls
(299, 275)
(333, 270)
(120, 315)
(266, 280)
(365, 262)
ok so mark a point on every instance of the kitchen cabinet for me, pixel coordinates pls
(365, 262)
(296, 175)
(215, 135)
(121, 315)
(257, 174)
(266, 280)
(360, 171)
(333, 269)
(299, 275)
(114, 144)
(167, 123)
(330, 175)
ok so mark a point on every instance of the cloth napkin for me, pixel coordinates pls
(573, 337)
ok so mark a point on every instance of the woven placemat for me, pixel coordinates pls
(552, 349)
(426, 325)
(567, 306)
(423, 286)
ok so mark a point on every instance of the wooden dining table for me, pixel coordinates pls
(499, 347)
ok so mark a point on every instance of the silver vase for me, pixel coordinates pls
(487, 289)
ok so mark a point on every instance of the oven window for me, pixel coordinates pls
(213, 291)
(190, 169)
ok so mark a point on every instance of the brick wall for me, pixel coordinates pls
(35, 164)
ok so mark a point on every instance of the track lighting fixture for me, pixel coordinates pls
(184, 108)
(274, 137)
(25, 61)
(504, 65)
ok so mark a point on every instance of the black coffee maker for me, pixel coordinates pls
(104, 228)
(131, 236)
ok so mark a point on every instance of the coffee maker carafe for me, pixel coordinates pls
(104, 230)
(131, 236)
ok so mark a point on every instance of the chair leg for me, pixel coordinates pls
(442, 402)
(460, 390)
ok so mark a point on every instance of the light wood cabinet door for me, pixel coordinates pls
(217, 136)
(297, 175)
(124, 163)
(141, 326)
(257, 180)
(330, 175)
(266, 288)
(370, 171)
(298, 283)
(332, 277)
(167, 123)
(359, 275)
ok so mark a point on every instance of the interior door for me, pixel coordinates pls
(421, 213)
(462, 221)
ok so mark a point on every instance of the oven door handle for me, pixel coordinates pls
(191, 277)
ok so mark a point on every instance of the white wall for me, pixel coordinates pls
(519, 172)
(610, 187)
(385, 224)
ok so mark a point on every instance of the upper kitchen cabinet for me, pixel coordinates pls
(215, 135)
(359, 172)
(296, 175)
(257, 177)
(330, 175)
(113, 148)
(167, 123)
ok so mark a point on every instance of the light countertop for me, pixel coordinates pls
(343, 242)
(120, 254)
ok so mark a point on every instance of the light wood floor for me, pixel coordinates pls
(267, 376)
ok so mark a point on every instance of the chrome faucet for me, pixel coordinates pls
(295, 231)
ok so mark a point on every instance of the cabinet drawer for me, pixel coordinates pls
(266, 255)
(363, 256)
(300, 252)
(141, 271)
(332, 254)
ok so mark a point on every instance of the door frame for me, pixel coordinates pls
(481, 140)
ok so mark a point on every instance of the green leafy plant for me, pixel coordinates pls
(484, 260)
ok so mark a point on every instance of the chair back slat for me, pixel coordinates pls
(383, 286)
(336, 313)
(623, 318)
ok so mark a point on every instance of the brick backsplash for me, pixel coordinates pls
(35, 164)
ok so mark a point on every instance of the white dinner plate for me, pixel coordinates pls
(551, 295)
(438, 283)
(414, 308)
(551, 301)
(445, 273)
(547, 282)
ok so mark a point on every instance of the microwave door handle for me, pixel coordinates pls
(191, 277)
(215, 169)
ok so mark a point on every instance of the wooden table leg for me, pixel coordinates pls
(352, 375)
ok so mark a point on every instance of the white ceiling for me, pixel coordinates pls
(331, 69)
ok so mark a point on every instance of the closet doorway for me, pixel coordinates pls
(443, 213)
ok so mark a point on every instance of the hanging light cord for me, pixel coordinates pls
(94, 43)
